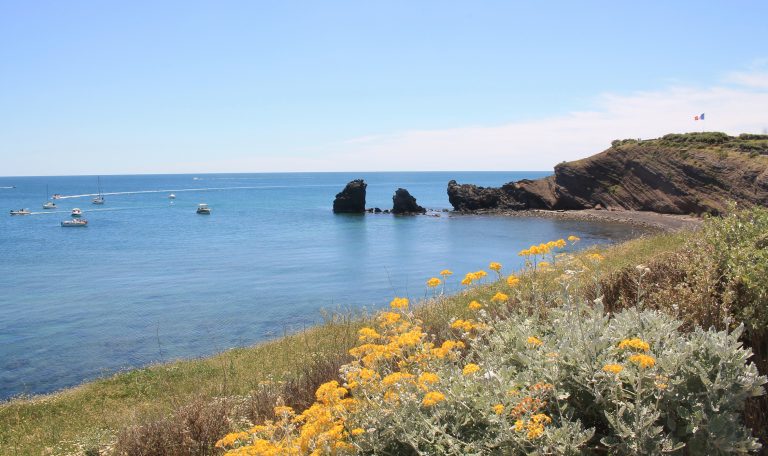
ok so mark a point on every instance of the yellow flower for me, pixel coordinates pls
(573, 239)
(446, 272)
(534, 341)
(428, 378)
(596, 257)
(513, 280)
(388, 318)
(474, 305)
(368, 333)
(399, 303)
(560, 243)
(519, 425)
(635, 344)
(613, 368)
(498, 409)
(468, 279)
(480, 274)
(544, 265)
(432, 398)
(470, 369)
(643, 361)
(357, 431)
(433, 282)
(500, 297)
(396, 377)
(495, 266)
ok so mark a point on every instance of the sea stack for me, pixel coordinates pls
(404, 203)
(352, 198)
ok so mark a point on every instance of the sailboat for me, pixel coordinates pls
(99, 199)
(48, 204)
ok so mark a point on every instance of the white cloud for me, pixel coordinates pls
(741, 106)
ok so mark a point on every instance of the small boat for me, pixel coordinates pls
(171, 196)
(20, 212)
(74, 223)
(76, 212)
(48, 204)
(203, 208)
(56, 196)
(99, 199)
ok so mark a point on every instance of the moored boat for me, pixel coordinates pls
(99, 199)
(74, 223)
(203, 208)
(171, 196)
(48, 204)
(76, 212)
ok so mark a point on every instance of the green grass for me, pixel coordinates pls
(92, 414)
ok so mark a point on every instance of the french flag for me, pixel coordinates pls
(699, 117)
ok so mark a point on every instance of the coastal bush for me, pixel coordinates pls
(709, 137)
(513, 379)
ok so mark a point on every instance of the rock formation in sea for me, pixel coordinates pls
(691, 173)
(404, 203)
(352, 198)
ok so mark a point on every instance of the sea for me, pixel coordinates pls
(150, 280)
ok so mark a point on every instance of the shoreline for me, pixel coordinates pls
(655, 221)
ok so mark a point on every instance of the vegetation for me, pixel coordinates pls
(581, 352)
(752, 144)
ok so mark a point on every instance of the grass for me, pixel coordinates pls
(188, 402)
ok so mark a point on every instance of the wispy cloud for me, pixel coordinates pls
(739, 104)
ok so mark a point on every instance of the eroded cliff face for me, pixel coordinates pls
(678, 174)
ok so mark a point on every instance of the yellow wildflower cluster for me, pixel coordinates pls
(513, 280)
(400, 303)
(494, 266)
(534, 426)
(500, 297)
(613, 368)
(467, 325)
(317, 430)
(472, 277)
(498, 409)
(544, 248)
(433, 282)
(642, 361)
(634, 344)
(432, 398)
(446, 272)
(474, 305)
(574, 239)
(470, 369)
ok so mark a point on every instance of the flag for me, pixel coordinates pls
(701, 117)
(695, 117)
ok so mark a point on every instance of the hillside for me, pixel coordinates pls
(692, 173)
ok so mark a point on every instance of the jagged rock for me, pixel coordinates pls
(676, 174)
(352, 198)
(404, 203)
(377, 210)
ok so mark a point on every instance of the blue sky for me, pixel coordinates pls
(183, 86)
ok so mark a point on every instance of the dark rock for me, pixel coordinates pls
(404, 203)
(377, 210)
(653, 175)
(386, 211)
(352, 198)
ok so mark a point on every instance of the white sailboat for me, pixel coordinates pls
(99, 199)
(48, 204)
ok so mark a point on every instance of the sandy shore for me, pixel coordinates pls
(645, 219)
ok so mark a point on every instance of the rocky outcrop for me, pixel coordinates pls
(404, 203)
(352, 198)
(677, 174)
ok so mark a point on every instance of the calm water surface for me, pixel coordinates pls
(150, 280)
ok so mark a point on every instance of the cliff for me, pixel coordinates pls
(676, 174)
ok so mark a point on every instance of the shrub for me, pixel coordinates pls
(514, 380)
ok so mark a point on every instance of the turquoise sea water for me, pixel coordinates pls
(150, 281)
